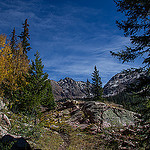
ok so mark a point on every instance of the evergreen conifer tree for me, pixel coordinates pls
(48, 99)
(136, 25)
(88, 88)
(97, 85)
(38, 91)
(24, 36)
(13, 41)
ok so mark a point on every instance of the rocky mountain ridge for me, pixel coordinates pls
(70, 89)
(119, 82)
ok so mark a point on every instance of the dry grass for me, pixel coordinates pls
(49, 141)
(45, 139)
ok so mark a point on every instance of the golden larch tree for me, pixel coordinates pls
(14, 67)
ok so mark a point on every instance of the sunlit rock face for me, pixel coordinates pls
(120, 82)
(103, 115)
(108, 115)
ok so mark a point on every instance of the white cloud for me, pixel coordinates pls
(70, 39)
(76, 65)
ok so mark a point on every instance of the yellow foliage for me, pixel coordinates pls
(13, 66)
(5, 58)
(2, 40)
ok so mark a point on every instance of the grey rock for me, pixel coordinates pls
(3, 131)
(107, 116)
(120, 82)
(4, 119)
(101, 114)
(77, 116)
(67, 104)
(83, 126)
(2, 104)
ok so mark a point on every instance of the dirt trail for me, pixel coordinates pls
(66, 139)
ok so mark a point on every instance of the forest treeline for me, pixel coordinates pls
(22, 81)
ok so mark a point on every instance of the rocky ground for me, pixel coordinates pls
(73, 125)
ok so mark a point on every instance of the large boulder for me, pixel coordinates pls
(103, 115)
(14, 143)
(108, 115)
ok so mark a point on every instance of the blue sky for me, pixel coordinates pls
(72, 36)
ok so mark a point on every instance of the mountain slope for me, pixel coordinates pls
(120, 82)
(69, 88)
